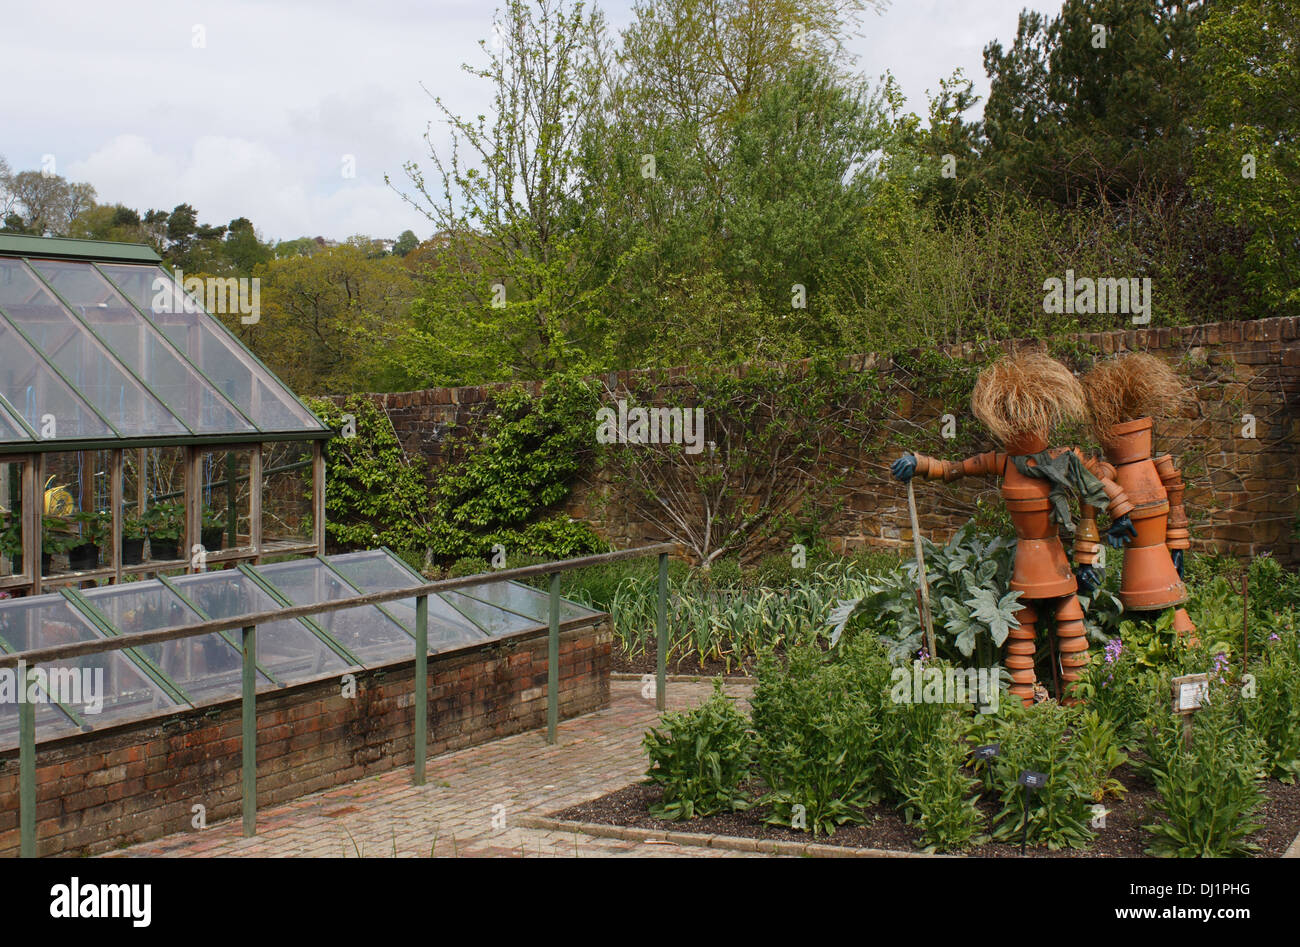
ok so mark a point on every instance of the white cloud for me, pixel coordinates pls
(256, 123)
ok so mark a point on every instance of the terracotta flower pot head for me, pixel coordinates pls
(1022, 397)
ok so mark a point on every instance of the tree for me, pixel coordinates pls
(405, 242)
(43, 204)
(1249, 166)
(330, 321)
(1095, 102)
(512, 298)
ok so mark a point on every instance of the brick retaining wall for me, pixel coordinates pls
(1242, 492)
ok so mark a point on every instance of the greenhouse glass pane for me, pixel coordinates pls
(82, 358)
(139, 345)
(126, 691)
(376, 571)
(45, 401)
(288, 649)
(51, 721)
(526, 600)
(494, 621)
(258, 393)
(365, 631)
(206, 667)
(10, 429)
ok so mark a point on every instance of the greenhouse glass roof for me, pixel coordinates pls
(100, 346)
(160, 679)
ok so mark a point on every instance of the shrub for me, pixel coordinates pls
(1042, 738)
(942, 790)
(1271, 704)
(1208, 793)
(817, 738)
(700, 759)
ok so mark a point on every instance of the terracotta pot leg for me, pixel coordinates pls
(1020, 655)
(1184, 627)
(1072, 642)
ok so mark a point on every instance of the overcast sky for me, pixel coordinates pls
(258, 120)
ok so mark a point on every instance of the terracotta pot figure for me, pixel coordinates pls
(1020, 399)
(1122, 394)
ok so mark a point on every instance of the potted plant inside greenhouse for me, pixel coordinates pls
(57, 538)
(11, 542)
(133, 533)
(214, 529)
(166, 522)
(95, 529)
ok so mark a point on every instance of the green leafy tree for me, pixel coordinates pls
(510, 295)
(1249, 165)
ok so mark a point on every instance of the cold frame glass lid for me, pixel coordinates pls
(375, 570)
(206, 667)
(365, 631)
(114, 687)
(288, 649)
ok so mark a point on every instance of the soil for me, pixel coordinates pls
(884, 828)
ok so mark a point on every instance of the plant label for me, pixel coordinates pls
(988, 751)
(1031, 780)
(1190, 692)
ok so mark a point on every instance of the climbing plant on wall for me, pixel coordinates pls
(374, 494)
(515, 467)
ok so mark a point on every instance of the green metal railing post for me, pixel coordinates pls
(248, 708)
(26, 771)
(553, 662)
(421, 685)
(661, 634)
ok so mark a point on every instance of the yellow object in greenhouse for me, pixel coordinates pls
(58, 501)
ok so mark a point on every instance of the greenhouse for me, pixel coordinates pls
(137, 433)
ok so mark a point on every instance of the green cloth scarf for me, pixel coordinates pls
(1067, 473)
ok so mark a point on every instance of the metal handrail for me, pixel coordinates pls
(248, 696)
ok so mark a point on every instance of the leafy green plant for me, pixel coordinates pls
(701, 758)
(941, 790)
(95, 526)
(1209, 793)
(134, 527)
(1271, 704)
(165, 521)
(817, 739)
(374, 494)
(518, 464)
(1043, 738)
(972, 608)
(56, 536)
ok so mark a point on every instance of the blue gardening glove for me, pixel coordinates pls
(1177, 556)
(904, 468)
(1120, 532)
(1089, 578)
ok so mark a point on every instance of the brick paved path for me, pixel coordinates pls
(471, 799)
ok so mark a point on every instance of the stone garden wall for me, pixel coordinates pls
(1242, 495)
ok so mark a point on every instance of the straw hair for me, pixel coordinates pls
(1026, 393)
(1130, 387)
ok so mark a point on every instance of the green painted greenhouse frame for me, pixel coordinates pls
(102, 348)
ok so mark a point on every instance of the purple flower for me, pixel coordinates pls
(923, 655)
(1114, 648)
(1274, 637)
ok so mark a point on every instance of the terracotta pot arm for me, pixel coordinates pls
(981, 465)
